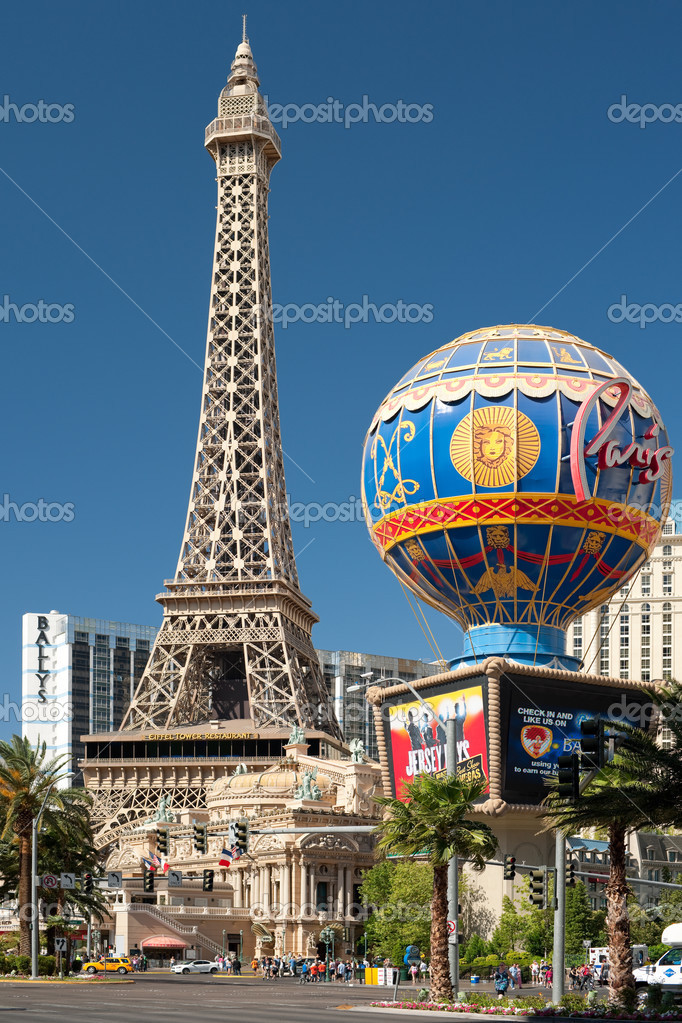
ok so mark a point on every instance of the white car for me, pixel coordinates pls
(195, 966)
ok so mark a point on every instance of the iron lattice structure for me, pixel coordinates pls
(235, 641)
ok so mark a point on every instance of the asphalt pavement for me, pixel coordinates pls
(173, 998)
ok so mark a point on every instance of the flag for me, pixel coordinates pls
(155, 860)
(236, 852)
(148, 863)
(225, 858)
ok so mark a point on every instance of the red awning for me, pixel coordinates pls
(163, 941)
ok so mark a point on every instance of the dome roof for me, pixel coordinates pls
(280, 781)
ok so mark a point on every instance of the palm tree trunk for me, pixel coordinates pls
(25, 907)
(618, 921)
(441, 988)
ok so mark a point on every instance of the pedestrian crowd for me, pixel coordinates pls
(507, 977)
(229, 965)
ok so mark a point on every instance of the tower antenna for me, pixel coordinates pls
(244, 39)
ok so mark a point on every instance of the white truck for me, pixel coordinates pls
(668, 970)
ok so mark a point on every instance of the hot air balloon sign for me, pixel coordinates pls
(514, 479)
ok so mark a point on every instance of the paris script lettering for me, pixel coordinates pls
(648, 458)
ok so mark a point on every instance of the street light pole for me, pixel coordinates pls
(453, 867)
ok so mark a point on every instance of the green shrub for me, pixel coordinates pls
(47, 966)
(627, 999)
(23, 964)
(573, 1002)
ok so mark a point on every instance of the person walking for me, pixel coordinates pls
(414, 973)
(305, 973)
(341, 970)
(534, 972)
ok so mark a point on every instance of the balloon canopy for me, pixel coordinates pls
(514, 479)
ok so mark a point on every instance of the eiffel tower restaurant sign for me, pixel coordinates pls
(514, 479)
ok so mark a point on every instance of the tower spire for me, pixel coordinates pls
(244, 36)
(235, 642)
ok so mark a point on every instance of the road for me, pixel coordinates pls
(172, 998)
(162, 998)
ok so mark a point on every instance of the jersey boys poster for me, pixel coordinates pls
(417, 741)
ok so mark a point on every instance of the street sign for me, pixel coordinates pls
(174, 878)
(452, 932)
(587, 942)
(60, 944)
(49, 881)
(67, 880)
(115, 879)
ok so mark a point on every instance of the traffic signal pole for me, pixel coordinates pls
(453, 868)
(559, 950)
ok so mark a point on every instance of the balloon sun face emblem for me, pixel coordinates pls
(493, 446)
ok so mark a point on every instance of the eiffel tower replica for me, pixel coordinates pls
(235, 643)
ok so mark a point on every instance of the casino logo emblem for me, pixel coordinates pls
(536, 740)
(495, 446)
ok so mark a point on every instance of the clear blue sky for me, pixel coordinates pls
(485, 213)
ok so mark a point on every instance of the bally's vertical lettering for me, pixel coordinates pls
(42, 641)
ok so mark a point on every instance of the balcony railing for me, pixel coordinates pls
(242, 124)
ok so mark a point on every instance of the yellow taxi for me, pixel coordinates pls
(112, 964)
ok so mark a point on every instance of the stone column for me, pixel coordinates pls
(255, 886)
(312, 887)
(265, 893)
(237, 898)
(304, 885)
(285, 888)
(340, 890)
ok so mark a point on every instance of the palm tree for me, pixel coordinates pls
(431, 816)
(27, 778)
(638, 788)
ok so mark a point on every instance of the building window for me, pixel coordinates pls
(624, 658)
(667, 647)
(578, 638)
(667, 551)
(646, 585)
(604, 640)
(667, 584)
(668, 529)
(645, 665)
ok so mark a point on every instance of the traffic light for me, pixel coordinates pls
(592, 743)
(88, 884)
(537, 888)
(241, 833)
(570, 876)
(162, 841)
(200, 838)
(569, 777)
(208, 881)
(509, 868)
(148, 882)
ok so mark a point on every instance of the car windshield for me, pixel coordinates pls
(671, 958)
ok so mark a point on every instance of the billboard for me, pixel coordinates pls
(415, 736)
(540, 721)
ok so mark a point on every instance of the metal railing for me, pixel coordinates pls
(241, 123)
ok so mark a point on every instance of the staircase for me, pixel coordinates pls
(167, 920)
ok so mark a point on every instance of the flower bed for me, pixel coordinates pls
(529, 1010)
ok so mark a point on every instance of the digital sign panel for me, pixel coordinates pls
(416, 740)
(541, 721)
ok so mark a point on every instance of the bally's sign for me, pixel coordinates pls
(647, 457)
(42, 641)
